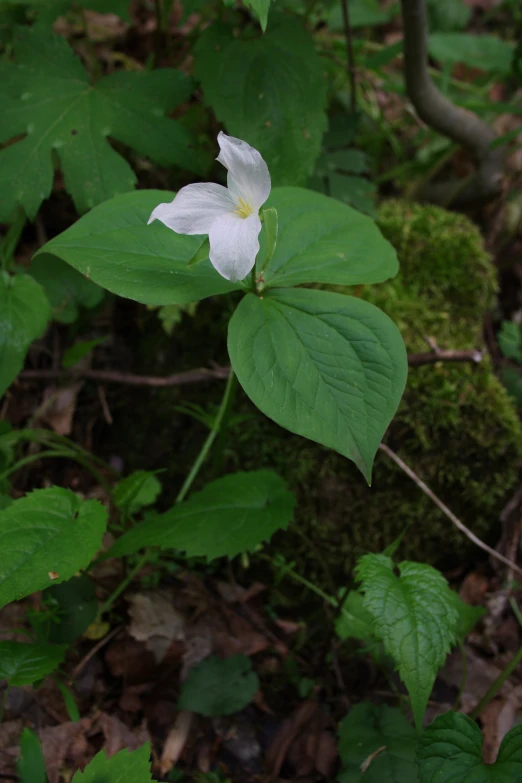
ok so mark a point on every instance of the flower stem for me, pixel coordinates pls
(196, 467)
(497, 685)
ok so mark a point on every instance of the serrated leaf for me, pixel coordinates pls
(323, 241)
(219, 687)
(24, 312)
(377, 745)
(31, 765)
(124, 767)
(329, 367)
(230, 515)
(486, 52)
(450, 751)
(136, 491)
(415, 617)
(66, 289)
(275, 100)
(45, 538)
(114, 246)
(48, 96)
(25, 664)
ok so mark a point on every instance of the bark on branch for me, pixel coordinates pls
(439, 113)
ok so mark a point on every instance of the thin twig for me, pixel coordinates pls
(416, 359)
(202, 374)
(92, 652)
(112, 376)
(350, 59)
(445, 510)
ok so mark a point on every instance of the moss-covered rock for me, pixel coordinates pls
(456, 426)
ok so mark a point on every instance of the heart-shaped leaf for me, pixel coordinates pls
(45, 538)
(450, 751)
(326, 366)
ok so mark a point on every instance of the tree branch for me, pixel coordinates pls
(112, 376)
(439, 113)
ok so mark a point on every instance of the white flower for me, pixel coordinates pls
(228, 215)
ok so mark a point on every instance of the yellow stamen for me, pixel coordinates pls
(243, 209)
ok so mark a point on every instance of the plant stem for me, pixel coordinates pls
(200, 459)
(196, 467)
(124, 583)
(10, 240)
(497, 685)
(34, 458)
(349, 55)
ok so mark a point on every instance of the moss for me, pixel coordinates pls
(456, 426)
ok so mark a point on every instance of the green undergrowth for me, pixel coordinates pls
(456, 426)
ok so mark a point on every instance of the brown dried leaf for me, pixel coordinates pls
(155, 621)
(66, 742)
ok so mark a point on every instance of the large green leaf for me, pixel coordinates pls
(24, 664)
(269, 90)
(24, 312)
(450, 751)
(229, 516)
(48, 96)
(125, 767)
(486, 52)
(45, 538)
(326, 366)
(219, 687)
(66, 289)
(414, 615)
(321, 240)
(113, 246)
(31, 765)
(377, 745)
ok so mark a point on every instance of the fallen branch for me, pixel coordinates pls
(445, 510)
(432, 357)
(439, 113)
(208, 374)
(112, 376)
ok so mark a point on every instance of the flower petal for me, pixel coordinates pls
(234, 245)
(248, 176)
(195, 208)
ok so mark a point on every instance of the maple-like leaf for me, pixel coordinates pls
(48, 96)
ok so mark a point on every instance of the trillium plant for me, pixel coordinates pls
(326, 365)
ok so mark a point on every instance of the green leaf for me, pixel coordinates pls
(270, 91)
(512, 380)
(322, 241)
(358, 192)
(377, 745)
(510, 340)
(415, 617)
(66, 289)
(79, 351)
(74, 606)
(468, 616)
(447, 15)
(260, 9)
(113, 246)
(326, 366)
(219, 687)
(136, 491)
(24, 312)
(31, 764)
(45, 538)
(230, 515)
(450, 751)
(486, 52)
(363, 13)
(354, 621)
(25, 664)
(70, 703)
(125, 767)
(48, 96)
